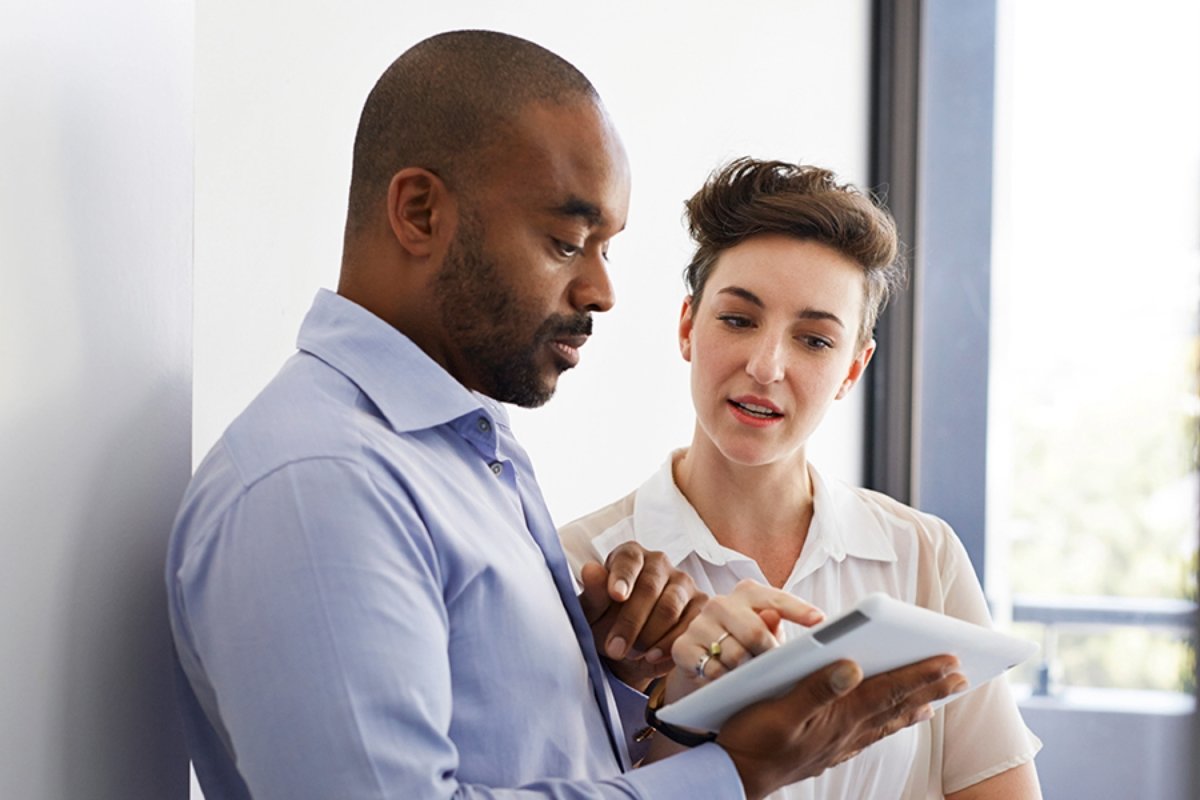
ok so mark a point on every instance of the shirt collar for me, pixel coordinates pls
(663, 519)
(842, 524)
(845, 524)
(410, 389)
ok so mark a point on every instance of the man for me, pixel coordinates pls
(366, 589)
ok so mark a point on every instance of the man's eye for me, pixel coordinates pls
(566, 249)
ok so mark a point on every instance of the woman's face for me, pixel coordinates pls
(773, 342)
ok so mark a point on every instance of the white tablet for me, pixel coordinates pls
(880, 633)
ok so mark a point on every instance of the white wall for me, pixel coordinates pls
(95, 402)
(689, 85)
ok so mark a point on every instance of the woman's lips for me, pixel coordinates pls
(755, 411)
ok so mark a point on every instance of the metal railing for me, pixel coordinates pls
(1056, 614)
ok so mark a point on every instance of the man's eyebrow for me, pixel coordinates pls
(807, 313)
(578, 207)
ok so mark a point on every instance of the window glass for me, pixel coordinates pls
(1092, 428)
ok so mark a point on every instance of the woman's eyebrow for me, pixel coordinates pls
(807, 313)
(816, 313)
(745, 294)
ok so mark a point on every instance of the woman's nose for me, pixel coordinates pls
(766, 364)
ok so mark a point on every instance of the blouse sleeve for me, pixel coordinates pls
(984, 733)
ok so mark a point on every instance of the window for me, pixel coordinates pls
(1092, 425)
(1039, 390)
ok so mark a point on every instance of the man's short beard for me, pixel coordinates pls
(495, 333)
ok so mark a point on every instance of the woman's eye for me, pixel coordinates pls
(817, 343)
(734, 320)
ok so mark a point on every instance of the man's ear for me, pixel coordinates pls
(685, 330)
(857, 368)
(419, 210)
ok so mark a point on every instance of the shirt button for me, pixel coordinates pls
(497, 467)
(483, 425)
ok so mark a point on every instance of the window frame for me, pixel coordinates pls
(931, 160)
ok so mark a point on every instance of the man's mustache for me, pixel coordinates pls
(564, 325)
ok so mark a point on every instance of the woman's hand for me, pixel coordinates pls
(731, 630)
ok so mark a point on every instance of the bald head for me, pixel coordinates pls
(444, 103)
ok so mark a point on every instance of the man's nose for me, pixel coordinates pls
(592, 290)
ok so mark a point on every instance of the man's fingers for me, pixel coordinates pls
(661, 648)
(679, 602)
(636, 610)
(830, 716)
(828, 684)
(900, 697)
(594, 598)
(637, 601)
(655, 593)
(624, 568)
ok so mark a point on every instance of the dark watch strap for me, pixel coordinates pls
(683, 736)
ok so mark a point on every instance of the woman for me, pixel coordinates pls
(790, 272)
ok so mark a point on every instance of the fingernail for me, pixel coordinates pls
(616, 647)
(951, 667)
(961, 686)
(654, 655)
(925, 714)
(622, 587)
(842, 678)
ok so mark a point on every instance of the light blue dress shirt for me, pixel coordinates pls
(369, 599)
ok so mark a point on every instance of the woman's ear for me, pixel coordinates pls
(685, 330)
(857, 367)
(419, 208)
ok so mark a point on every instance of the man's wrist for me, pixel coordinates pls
(683, 736)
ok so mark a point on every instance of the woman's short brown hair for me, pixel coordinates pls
(748, 197)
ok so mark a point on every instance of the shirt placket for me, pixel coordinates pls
(517, 474)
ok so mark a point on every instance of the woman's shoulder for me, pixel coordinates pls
(922, 535)
(591, 525)
(579, 536)
(931, 543)
(893, 511)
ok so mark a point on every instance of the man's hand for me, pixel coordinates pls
(824, 719)
(829, 717)
(637, 605)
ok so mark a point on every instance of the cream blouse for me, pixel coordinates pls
(859, 542)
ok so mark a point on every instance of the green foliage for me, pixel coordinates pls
(1103, 503)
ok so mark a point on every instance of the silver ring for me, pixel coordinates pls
(701, 664)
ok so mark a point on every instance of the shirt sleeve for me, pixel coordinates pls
(984, 733)
(314, 610)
